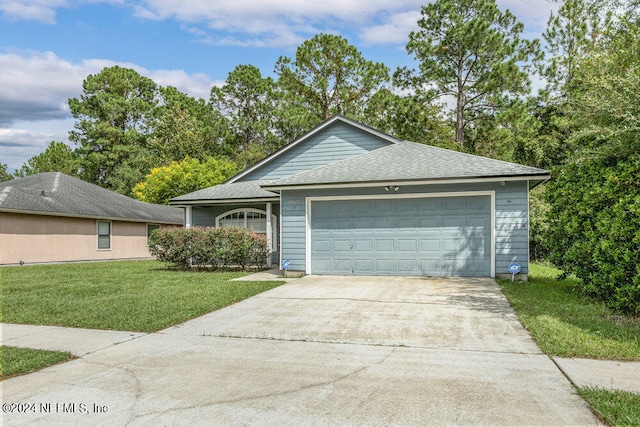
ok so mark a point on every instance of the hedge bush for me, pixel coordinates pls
(213, 248)
(594, 228)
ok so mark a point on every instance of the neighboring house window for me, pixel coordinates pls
(104, 234)
(150, 228)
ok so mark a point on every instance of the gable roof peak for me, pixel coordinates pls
(321, 126)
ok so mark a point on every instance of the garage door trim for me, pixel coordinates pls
(309, 203)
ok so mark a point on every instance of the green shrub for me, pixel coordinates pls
(594, 227)
(538, 225)
(209, 247)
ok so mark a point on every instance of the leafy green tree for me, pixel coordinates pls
(111, 129)
(407, 118)
(569, 35)
(329, 76)
(179, 178)
(471, 51)
(176, 135)
(606, 107)
(184, 127)
(57, 157)
(247, 100)
(4, 175)
(594, 216)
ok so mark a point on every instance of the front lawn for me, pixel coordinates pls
(124, 295)
(17, 361)
(565, 324)
(620, 408)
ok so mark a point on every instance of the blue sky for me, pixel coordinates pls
(48, 47)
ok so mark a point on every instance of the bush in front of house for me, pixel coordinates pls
(594, 227)
(227, 247)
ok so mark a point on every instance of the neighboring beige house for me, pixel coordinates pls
(52, 217)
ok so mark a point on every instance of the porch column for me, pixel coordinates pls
(187, 217)
(269, 234)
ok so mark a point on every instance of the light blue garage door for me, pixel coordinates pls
(438, 236)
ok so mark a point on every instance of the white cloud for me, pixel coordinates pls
(34, 92)
(44, 11)
(37, 85)
(196, 85)
(32, 10)
(396, 29)
(18, 145)
(277, 23)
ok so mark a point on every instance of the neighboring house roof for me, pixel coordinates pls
(57, 194)
(409, 161)
(234, 191)
(304, 137)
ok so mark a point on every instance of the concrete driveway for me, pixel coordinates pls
(319, 351)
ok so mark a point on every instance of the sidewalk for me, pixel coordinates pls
(77, 341)
(605, 374)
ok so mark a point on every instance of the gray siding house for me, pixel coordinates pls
(347, 199)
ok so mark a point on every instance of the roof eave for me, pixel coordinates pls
(363, 184)
(183, 203)
(96, 217)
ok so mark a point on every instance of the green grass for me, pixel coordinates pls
(127, 295)
(620, 408)
(17, 361)
(565, 324)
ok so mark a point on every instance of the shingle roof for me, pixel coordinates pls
(408, 161)
(236, 190)
(54, 193)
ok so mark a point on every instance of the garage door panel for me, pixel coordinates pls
(477, 205)
(322, 224)
(408, 266)
(341, 266)
(385, 266)
(440, 236)
(430, 205)
(363, 225)
(479, 222)
(363, 246)
(431, 267)
(342, 225)
(383, 208)
(407, 245)
(383, 225)
(385, 245)
(409, 207)
(430, 245)
(363, 266)
(463, 247)
(321, 246)
(407, 225)
(453, 223)
(430, 224)
(341, 246)
(363, 209)
(453, 205)
(322, 265)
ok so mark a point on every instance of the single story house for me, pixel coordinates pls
(347, 199)
(53, 217)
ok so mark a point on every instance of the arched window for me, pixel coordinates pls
(249, 218)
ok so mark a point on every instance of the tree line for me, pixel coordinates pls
(470, 90)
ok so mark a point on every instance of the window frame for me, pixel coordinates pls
(98, 235)
(245, 211)
(157, 227)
